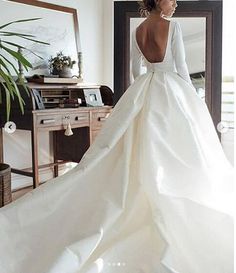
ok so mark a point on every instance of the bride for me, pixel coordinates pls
(151, 195)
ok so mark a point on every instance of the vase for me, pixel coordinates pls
(65, 72)
(55, 71)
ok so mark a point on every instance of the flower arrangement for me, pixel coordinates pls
(60, 61)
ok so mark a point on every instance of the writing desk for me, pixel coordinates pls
(85, 122)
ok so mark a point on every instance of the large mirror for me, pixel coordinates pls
(193, 30)
(201, 22)
(58, 26)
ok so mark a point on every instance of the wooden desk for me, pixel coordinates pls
(85, 122)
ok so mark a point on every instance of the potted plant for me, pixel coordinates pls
(8, 86)
(9, 89)
(61, 65)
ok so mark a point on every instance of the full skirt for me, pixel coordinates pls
(151, 195)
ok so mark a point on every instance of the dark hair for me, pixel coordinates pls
(146, 6)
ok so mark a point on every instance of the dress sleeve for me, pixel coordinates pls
(178, 52)
(136, 57)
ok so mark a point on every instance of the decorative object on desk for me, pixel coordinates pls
(65, 72)
(93, 97)
(68, 131)
(66, 122)
(52, 79)
(80, 65)
(61, 65)
(7, 81)
(21, 77)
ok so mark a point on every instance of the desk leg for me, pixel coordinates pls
(1, 146)
(35, 169)
(55, 167)
(90, 128)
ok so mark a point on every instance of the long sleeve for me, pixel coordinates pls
(136, 58)
(178, 52)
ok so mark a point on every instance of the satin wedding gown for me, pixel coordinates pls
(151, 195)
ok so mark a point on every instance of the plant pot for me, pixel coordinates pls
(5, 184)
(55, 71)
(65, 72)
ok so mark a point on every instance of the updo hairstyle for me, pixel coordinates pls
(146, 6)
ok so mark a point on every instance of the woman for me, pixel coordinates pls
(151, 194)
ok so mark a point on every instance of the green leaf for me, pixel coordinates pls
(10, 63)
(23, 36)
(18, 56)
(5, 66)
(19, 46)
(8, 79)
(20, 21)
(8, 100)
(13, 44)
(33, 40)
(9, 33)
(8, 90)
(12, 89)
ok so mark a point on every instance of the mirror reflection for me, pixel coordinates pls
(194, 37)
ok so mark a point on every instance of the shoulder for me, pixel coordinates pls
(176, 25)
(176, 28)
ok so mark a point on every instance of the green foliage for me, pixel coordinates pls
(9, 86)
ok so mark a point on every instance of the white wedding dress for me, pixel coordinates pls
(151, 195)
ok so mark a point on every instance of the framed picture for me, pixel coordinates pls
(93, 97)
(58, 26)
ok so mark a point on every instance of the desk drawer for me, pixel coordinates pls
(76, 119)
(61, 119)
(98, 119)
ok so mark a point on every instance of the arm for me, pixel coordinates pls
(136, 58)
(178, 52)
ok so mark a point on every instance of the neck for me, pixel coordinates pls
(155, 14)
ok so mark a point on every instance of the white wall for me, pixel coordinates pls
(17, 149)
(108, 26)
(229, 38)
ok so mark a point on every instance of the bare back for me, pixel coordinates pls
(152, 38)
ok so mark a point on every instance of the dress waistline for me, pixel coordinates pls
(162, 68)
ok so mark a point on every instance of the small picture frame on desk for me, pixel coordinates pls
(93, 97)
